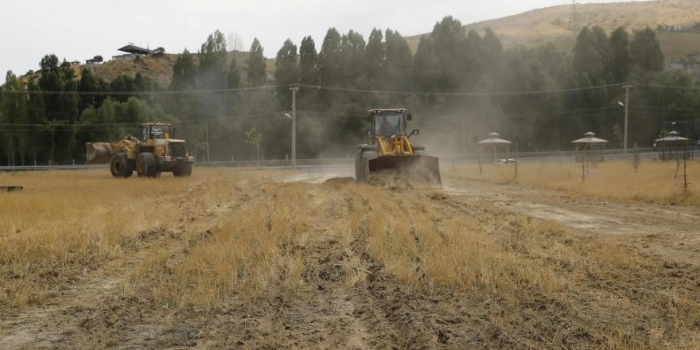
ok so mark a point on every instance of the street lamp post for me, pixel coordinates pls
(294, 126)
(627, 109)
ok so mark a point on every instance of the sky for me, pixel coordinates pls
(81, 29)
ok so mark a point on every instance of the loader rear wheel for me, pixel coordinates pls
(183, 171)
(119, 166)
(146, 165)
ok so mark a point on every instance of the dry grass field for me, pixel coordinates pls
(654, 181)
(244, 259)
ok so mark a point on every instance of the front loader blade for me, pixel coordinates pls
(98, 153)
(414, 167)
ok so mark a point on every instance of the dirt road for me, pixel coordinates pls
(96, 308)
(669, 231)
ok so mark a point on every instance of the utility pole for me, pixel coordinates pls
(627, 110)
(206, 133)
(464, 138)
(294, 126)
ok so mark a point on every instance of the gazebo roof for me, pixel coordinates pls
(131, 48)
(494, 140)
(589, 138)
(672, 136)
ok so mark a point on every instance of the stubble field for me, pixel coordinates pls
(249, 259)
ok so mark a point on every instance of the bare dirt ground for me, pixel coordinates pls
(668, 231)
(97, 308)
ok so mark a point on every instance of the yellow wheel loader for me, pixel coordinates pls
(157, 153)
(389, 150)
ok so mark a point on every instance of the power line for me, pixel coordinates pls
(141, 93)
(475, 94)
(655, 86)
(320, 87)
(136, 124)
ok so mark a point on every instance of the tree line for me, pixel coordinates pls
(460, 86)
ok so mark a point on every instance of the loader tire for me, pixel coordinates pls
(364, 164)
(146, 165)
(119, 166)
(183, 171)
(359, 174)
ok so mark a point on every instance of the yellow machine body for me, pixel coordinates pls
(157, 153)
(389, 149)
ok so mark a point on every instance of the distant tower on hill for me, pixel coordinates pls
(573, 20)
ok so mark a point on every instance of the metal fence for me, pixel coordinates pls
(445, 160)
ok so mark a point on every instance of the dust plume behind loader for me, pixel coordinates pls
(157, 153)
(389, 150)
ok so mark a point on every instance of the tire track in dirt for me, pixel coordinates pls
(668, 231)
(327, 310)
(344, 314)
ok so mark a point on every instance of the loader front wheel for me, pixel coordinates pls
(119, 166)
(362, 165)
(359, 169)
(183, 171)
(146, 165)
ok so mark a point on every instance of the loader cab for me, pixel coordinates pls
(388, 122)
(152, 131)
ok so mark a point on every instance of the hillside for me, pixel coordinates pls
(533, 28)
(160, 69)
(157, 68)
(553, 24)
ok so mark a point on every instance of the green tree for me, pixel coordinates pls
(234, 75)
(88, 85)
(212, 62)
(646, 51)
(308, 69)
(254, 137)
(621, 62)
(107, 116)
(592, 53)
(492, 49)
(529, 114)
(143, 83)
(426, 65)
(60, 106)
(53, 126)
(50, 81)
(123, 88)
(352, 59)
(658, 107)
(184, 72)
(286, 72)
(556, 63)
(257, 75)
(329, 74)
(396, 68)
(13, 117)
(375, 54)
(473, 55)
(451, 46)
(329, 59)
(35, 115)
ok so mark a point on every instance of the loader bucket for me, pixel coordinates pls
(98, 153)
(414, 167)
